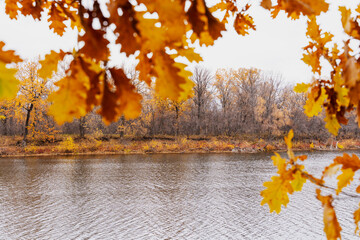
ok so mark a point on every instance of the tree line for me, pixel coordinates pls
(244, 102)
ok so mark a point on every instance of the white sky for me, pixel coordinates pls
(275, 46)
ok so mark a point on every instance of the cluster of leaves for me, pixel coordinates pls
(292, 175)
(340, 93)
(155, 32)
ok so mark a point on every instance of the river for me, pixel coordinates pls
(160, 196)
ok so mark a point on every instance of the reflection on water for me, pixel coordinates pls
(173, 196)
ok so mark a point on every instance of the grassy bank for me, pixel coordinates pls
(70, 145)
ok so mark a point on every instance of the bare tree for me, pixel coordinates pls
(202, 78)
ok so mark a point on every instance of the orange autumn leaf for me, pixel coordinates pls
(69, 101)
(206, 27)
(56, 19)
(344, 179)
(297, 7)
(126, 26)
(122, 100)
(50, 63)
(11, 8)
(352, 162)
(95, 43)
(331, 225)
(8, 56)
(243, 23)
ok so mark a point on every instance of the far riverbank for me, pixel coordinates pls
(12, 146)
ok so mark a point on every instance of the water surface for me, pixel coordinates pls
(164, 196)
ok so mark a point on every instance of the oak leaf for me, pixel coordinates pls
(357, 219)
(95, 43)
(276, 193)
(301, 87)
(57, 19)
(69, 101)
(121, 100)
(332, 124)
(344, 179)
(331, 170)
(243, 22)
(170, 82)
(8, 82)
(316, 98)
(126, 25)
(352, 162)
(298, 181)
(50, 63)
(8, 56)
(331, 225)
(11, 8)
(295, 8)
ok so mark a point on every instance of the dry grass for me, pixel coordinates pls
(71, 145)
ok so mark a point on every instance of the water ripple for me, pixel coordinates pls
(155, 197)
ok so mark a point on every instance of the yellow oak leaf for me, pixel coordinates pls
(342, 92)
(332, 124)
(279, 162)
(169, 78)
(8, 82)
(313, 105)
(50, 63)
(298, 181)
(339, 146)
(312, 145)
(276, 193)
(344, 179)
(313, 29)
(69, 101)
(313, 60)
(190, 54)
(172, 17)
(288, 139)
(301, 87)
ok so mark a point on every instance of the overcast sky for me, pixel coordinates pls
(275, 46)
